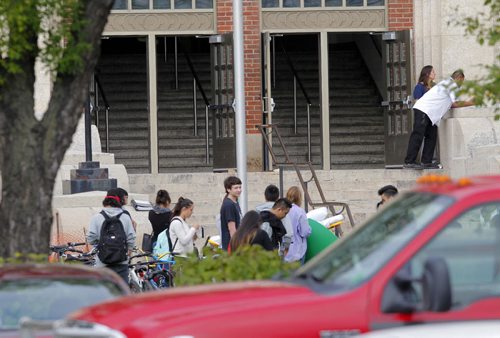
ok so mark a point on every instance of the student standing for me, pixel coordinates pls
(230, 212)
(300, 225)
(161, 214)
(182, 235)
(271, 221)
(112, 207)
(250, 233)
(428, 111)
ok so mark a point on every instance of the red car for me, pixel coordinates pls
(432, 255)
(48, 292)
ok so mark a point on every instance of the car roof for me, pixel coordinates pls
(459, 188)
(58, 271)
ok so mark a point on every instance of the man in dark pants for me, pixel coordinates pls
(428, 111)
(230, 212)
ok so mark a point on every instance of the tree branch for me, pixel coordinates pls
(70, 90)
(17, 92)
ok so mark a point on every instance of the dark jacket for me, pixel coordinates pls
(278, 230)
(160, 220)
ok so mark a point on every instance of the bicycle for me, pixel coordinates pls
(150, 274)
(66, 253)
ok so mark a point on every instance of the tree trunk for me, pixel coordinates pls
(32, 151)
(26, 208)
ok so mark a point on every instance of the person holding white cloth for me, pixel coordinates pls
(428, 111)
(182, 235)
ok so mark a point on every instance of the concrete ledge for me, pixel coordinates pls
(75, 157)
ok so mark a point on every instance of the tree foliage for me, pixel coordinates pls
(485, 26)
(247, 263)
(64, 36)
(56, 25)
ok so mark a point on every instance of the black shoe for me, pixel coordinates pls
(433, 165)
(412, 166)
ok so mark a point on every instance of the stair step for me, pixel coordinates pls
(358, 149)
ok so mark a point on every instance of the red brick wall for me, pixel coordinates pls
(252, 54)
(400, 14)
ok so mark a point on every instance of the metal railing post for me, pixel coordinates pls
(175, 64)
(306, 200)
(107, 129)
(195, 108)
(309, 132)
(96, 103)
(207, 146)
(281, 180)
(295, 104)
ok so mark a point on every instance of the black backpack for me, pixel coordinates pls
(112, 247)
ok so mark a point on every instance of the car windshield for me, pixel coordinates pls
(356, 258)
(49, 299)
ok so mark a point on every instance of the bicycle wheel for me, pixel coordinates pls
(134, 287)
(164, 279)
(147, 286)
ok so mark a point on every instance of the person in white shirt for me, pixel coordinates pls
(182, 235)
(428, 111)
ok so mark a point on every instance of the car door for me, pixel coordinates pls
(469, 248)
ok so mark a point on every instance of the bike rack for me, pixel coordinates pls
(267, 130)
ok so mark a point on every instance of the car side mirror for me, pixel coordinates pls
(400, 295)
(436, 285)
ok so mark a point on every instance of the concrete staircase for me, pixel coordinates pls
(124, 80)
(356, 118)
(306, 65)
(179, 148)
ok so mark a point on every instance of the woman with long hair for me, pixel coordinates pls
(161, 214)
(250, 233)
(182, 235)
(430, 132)
(300, 226)
(425, 82)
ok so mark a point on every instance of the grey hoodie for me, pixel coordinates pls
(267, 228)
(96, 224)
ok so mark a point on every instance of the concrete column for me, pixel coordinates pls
(153, 104)
(325, 99)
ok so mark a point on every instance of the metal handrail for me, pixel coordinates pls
(288, 162)
(106, 106)
(197, 84)
(296, 79)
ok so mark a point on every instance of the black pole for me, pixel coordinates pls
(88, 137)
(281, 181)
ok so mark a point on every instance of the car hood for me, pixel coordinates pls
(203, 311)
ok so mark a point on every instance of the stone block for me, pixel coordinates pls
(89, 173)
(77, 186)
(89, 165)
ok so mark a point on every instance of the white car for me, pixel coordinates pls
(465, 329)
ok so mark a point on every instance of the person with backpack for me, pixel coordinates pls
(112, 232)
(272, 194)
(250, 233)
(123, 194)
(161, 214)
(182, 235)
(271, 221)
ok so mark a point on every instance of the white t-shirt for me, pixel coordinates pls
(438, 100)
(181, 235)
